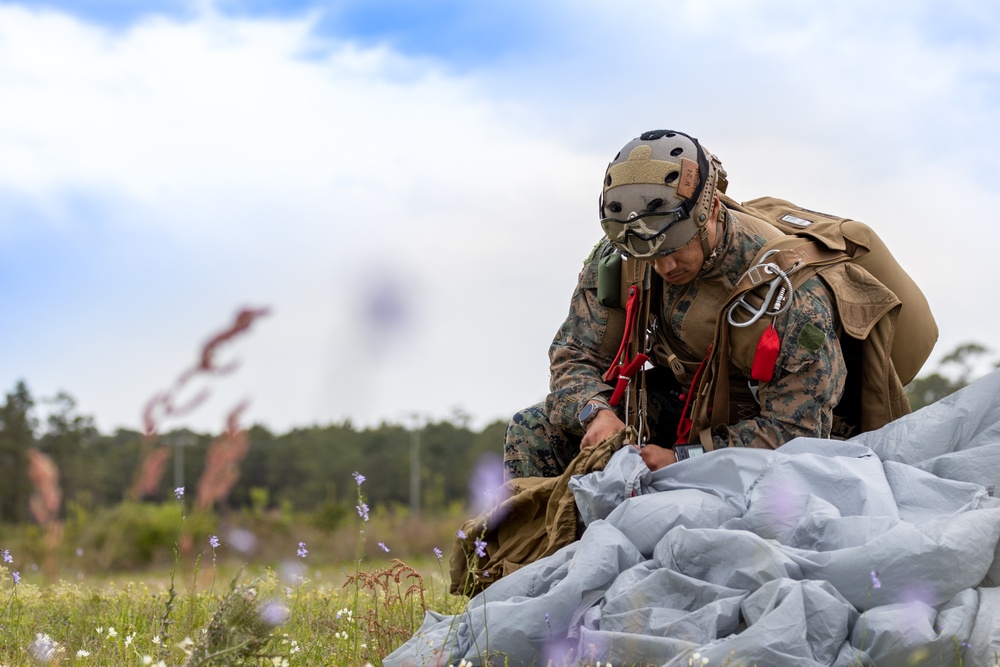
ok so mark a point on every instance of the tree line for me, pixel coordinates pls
(304, 469)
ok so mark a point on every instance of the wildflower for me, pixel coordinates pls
(7, 558)
(460, 534)
(875, 580)
(363, 511)
(274, 614)
(129, 638)
(100, 631)
(112, 632)
(17, 576)
(79, 551)
(156, 639)
(480, 548)
(437, 552)
(147, 660)
(44, 648)
(179, 492)
(382, 546)
(213, 541)
(302, 552)
(359, 478)
(82, 654)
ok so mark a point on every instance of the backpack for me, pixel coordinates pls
(887, 330)
(916, 329)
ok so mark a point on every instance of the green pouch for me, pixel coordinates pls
(609, 281)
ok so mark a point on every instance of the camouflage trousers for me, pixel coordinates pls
(534, 447)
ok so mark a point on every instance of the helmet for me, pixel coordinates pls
(658, 194)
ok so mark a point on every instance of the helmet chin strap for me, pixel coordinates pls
(710, 253)
(706, 247)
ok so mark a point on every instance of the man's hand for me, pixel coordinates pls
(604, 425)
(657, 457)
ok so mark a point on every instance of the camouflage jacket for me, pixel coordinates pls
(809, 374)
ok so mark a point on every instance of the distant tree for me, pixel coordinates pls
(954, 371)
(64, 440)
(17, 435)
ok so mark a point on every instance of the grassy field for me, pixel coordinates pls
(258, 617)
(268, 590)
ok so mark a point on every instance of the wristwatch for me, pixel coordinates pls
(590, 411)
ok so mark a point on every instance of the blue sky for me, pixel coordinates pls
(163, 164)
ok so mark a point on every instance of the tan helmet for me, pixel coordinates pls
(658, 194)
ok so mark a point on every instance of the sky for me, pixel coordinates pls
(410, 187)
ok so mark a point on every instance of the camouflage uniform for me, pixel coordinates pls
(808, 380)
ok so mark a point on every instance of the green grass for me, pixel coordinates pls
(305, 621)
(345, 602)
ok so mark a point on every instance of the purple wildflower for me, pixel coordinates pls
(302, 552)
(381, 545)
(461, 534)
(359, 478)
(875, 580)
(213, 541)
(274, 613)
(7, 558)
(17, 576)
(363, 511)
(179, 492)
(437, 552)
(480, 548)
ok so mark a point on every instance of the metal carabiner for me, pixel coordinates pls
(780, 285)
(650, 335)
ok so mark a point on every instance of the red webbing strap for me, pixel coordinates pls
(630, 306)
(685, 423)
(622, 368)
(623, 375)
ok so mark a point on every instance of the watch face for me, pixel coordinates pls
(588, 411)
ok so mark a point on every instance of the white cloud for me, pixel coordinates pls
(252, 161)
(296, 182)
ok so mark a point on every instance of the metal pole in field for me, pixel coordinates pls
(179, 441)
(415, 463)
